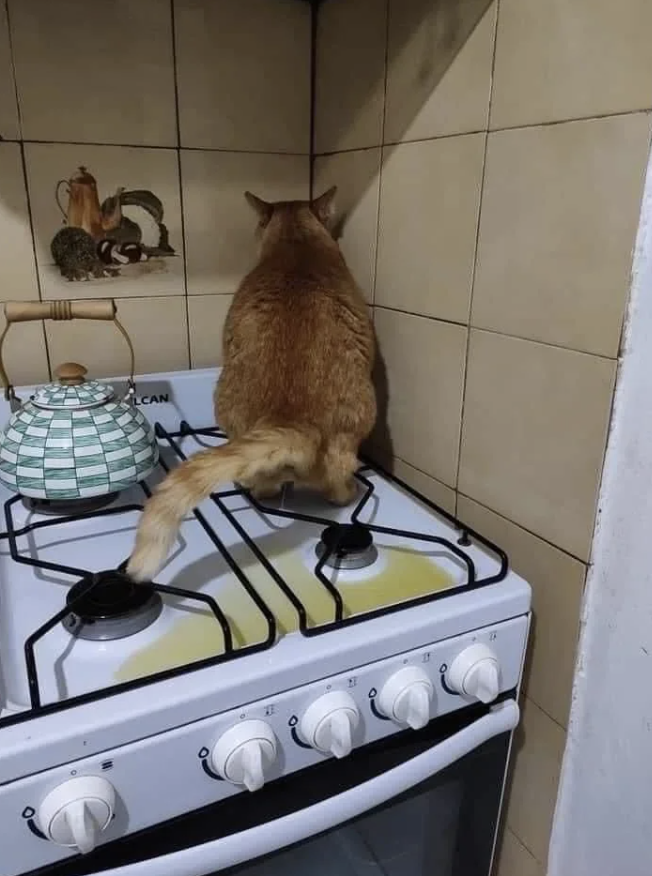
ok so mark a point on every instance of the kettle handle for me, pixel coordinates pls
(26, 311)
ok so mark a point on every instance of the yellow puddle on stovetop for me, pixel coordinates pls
(405, 574)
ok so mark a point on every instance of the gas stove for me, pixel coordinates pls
(261, 610)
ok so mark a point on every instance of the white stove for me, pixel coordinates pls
(276, 637)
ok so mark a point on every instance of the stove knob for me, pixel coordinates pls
(243, 753)
(475, 673)
(329, 722)
(76, 813)
(406, 696)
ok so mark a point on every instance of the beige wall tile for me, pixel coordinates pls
(133, 168)
(438, 67)
(429, 198)
(243, 73)
(557, 582)
(559, 216)
(9, 123)
(569, 59)
(350, 74)
(534, 432)
(515, 860)
(220, 228)
(538, 750)
(24, 353)
(17, 266)
(425, 368)
(102, 75)
(206, 315)
(158, 331)
(429, 487)
(432, 489)
(357, 176)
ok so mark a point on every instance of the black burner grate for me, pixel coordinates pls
(331, 548)
(185, 430)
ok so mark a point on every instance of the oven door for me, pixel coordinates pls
(416, 804)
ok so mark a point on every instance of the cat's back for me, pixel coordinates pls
(298, 336)
(296, 302)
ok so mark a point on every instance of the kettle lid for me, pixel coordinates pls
(73, 391)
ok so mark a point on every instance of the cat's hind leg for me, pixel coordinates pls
(266, 488)
(339, 464)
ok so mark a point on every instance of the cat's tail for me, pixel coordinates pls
(261, 453)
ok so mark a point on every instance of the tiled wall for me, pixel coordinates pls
(491, 159)
(192, 100)
(489, 155)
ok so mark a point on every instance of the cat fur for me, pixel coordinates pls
(295, 396)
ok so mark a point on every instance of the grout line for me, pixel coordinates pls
(170, 148)
(489, 331)
(325, 154)
(314, 22)
(554, 122)
(385, 73)
(504, 517)
(177, 112)
(241, 151)
(28, 200)
(421, 471)
(186, 296)
(421, 315)
(393, 143)
(519, 840)
(490, 131)
(381, 157)
(118, 298)
(475, 258)
(541, 709)
(37, 272)
(13, 71)
(349, 151)
(177, 116)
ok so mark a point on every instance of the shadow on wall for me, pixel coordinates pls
(420, 43)
(379, 444)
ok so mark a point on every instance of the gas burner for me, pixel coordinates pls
(67, 507)
(111, 606)
(350, 546)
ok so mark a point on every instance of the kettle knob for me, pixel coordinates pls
(71, 373)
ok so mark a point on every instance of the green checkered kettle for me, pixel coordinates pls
(76, 438)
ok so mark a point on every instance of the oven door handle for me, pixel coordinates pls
(247, 845)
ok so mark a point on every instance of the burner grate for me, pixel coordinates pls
(12, 534)
(472, 582)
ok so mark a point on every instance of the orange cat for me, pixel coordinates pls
(296, 397)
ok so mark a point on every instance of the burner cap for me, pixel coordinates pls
(109, 605)
(350, 546)
(67, 507)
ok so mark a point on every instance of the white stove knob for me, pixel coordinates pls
(76, 813)
(329, 722)
(406, 696)
(475, 673)
(244, 752)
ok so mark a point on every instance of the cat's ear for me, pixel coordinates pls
(261, 208)
(324, 207)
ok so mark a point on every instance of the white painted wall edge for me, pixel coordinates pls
(603, 819)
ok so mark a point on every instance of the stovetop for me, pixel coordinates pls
(283, 582)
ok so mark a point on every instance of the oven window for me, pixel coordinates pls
(443, 827)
